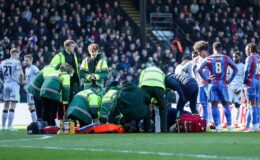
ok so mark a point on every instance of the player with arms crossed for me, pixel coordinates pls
(252, 81)
(13, 76)
(236, 87)
(217, 65)
(30, 73)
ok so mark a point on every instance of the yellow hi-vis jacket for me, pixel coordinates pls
(153, 77)
(59, 59)
(56, 86)
(101, 71)
(85, 106)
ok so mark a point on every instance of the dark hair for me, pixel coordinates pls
(187, 57)
(194, 53)
(217, 46)
(237, 53)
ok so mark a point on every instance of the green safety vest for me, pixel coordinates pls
(56, 86)
(59, 59)
(35, 87)
(106, 103)
(100, 73)
(152, 76)
(85, 106)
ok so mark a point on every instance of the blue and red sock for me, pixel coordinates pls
(205, 112)
(254, 113)
(248, 118)
(228, 115)
(216, 115)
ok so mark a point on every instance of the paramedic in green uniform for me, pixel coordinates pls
(84, 107)
(107, 100)
(94, 68)
(55, 91)
(35, 88)
(131, 105)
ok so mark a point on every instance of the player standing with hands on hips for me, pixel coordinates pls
(218, 65)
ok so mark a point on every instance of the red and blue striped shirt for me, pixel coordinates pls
(218, 65)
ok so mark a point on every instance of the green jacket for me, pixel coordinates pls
(94, 67)
(132, 102)
(152, 76)
(84, 106)
(56, 86)
(60, 59)
(107, 101)
(35, 87)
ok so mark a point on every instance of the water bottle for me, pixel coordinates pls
(72, 127)
(157, 121)
(66, 127)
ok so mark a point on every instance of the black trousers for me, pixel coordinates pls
(191, 94)
(158, 93)
(63, 108)
(38, 106)
(50, 108)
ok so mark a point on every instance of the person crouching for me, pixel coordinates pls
(84, 107)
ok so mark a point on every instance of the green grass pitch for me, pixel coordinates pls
(20, 146)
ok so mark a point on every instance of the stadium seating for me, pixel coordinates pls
(234, 23)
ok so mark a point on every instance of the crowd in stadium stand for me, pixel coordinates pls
(214, 20)
(40, 27)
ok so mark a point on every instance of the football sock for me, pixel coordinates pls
(238, 112)
(228, 115)
(237, 117)
(216, 115)
(205, 112)
(210, 118)
(248, 118)
(33, 115)
(10, 118)
(254, 113)
(4, 117)
(258, 108)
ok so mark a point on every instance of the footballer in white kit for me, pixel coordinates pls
(236, 87)
(30, 72)
(12, 72)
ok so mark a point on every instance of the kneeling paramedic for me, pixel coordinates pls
(84, 107)
(130, 105)
(107, 100)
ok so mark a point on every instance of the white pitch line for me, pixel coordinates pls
(27, 139)
(169, 154)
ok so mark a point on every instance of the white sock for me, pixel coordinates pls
(4, 118)
(237, 117)
(10, 118)
(33, 115)
(210, 117)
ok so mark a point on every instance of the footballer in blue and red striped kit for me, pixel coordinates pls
(252, 81)
(202, 48)
(218, 65)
